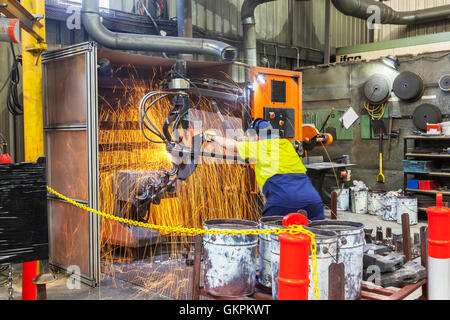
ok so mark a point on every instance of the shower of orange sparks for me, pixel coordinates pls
(215, 190)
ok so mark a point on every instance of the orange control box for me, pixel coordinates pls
(277, 98)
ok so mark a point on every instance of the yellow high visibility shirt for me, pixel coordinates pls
(271, 157)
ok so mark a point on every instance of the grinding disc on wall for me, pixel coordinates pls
(444, 83)
(408, 86)
(377, 89)
(426, 113)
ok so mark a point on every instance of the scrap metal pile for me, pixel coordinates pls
(385, 261)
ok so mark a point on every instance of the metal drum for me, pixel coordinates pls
(265, 254)
(407, 205)
(275, 263)
(390, 208)
(360, 198)
(375, 202)
(326, 242)
(343, 200)
(230, 261)
(350, 252)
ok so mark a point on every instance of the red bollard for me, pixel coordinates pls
(293, 277)
(29, 272)
(438, 251)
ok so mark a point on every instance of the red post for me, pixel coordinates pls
(439, 230)
(438, 251)
(29, 272)
(293, 277)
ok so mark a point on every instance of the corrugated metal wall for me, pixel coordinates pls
(392, 32)
(286, 22)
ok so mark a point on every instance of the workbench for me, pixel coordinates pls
(318, 171)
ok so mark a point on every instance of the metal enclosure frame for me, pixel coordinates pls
(89, 50)
(81, 72)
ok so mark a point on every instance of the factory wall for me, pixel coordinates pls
(341, 86)
(286, 22)
(392, 32)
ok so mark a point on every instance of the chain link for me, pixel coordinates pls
(10, 283)
(293, 229)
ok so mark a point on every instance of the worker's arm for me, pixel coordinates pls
(245, 149)
(229, 144)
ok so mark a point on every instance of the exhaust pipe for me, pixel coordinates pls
(128, 41)
(361, 9)
(248, 25)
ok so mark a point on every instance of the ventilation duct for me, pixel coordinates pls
(364, 9)
(248, 24)
(127, 41)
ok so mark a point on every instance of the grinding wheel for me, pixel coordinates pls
(377, 89)
(426, 113)
(408, 86)
(444, 83)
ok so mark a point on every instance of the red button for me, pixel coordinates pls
(281, 122)
(272, 115)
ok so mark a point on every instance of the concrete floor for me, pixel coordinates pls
(371, 221)
(116, 289)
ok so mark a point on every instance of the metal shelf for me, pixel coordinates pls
(434, 174)
(428, 155)
(428, 137)
(447, 193)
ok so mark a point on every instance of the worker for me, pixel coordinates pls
(280, 173)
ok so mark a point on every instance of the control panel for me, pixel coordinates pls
(281, 119)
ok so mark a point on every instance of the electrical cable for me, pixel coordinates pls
(375, 112)
(123, 21)
(13, 99)
(158, 31)
(150, 17)
(145, 120)
(143, 114)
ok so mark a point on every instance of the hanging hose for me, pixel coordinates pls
(376, 112)
(13, 100)
(158, 31)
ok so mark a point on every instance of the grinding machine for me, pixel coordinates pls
(273, 95)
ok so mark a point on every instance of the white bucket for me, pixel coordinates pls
(407, 205)
(390, 208)
(361, 198)
(445, 128)
(375, 202)
(343, 199)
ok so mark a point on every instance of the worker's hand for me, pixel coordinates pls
(209, 135)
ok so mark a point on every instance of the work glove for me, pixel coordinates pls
(209, 135)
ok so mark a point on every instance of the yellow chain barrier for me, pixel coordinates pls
(293, 229)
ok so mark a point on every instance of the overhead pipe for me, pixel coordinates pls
(249, 28)
(127, 41)
(362, 9)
